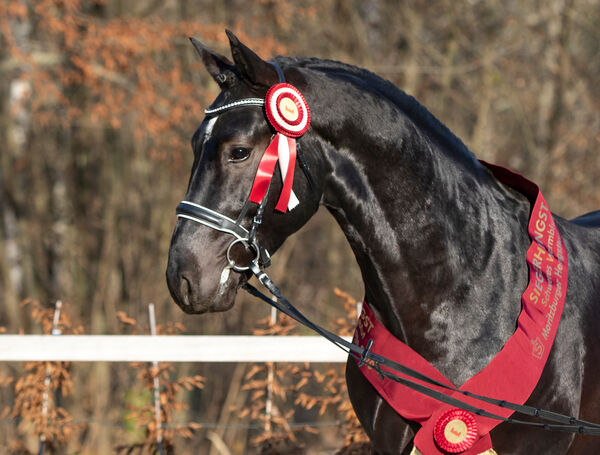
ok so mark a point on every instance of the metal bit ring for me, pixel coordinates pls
(252, 246)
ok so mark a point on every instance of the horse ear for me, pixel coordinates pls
(217, 65)
(251, 66)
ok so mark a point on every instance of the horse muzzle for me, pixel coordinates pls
(199, 278)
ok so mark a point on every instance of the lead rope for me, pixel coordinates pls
(563, 423)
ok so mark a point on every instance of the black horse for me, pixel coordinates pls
(440, 242)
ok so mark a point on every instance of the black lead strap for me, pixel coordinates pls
(363, 355)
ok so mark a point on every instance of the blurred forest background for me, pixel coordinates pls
(99, 100)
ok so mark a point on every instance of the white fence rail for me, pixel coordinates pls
(168, 348)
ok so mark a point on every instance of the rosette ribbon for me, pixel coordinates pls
(281, 148)
(288, 113)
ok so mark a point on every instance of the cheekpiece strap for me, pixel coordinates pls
(279, 72)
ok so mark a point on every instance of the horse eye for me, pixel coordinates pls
(239, 154)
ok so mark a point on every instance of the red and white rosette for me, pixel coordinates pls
(455, 430)
(287, 110)
(288, 113)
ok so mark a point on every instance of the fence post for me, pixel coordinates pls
(270, 377)
(55, 331)
(159, 435)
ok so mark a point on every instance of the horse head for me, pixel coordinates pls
(228, 147)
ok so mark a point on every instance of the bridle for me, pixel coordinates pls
(215, 220)
(385, 367)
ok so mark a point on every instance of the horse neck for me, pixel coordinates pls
(429, 229)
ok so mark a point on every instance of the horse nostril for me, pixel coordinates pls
(186, 289)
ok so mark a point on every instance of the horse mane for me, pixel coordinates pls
(418, 113)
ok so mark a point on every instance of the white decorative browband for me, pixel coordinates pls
(244, 102)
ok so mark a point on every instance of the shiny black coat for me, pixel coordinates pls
(441, 244)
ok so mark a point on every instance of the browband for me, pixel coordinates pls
(239, 103)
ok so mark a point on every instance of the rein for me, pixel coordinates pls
(383, 366)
